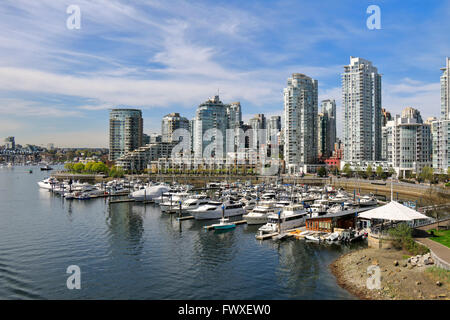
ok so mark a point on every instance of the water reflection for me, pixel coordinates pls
(125, 228)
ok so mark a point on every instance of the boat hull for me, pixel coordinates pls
(216, 214)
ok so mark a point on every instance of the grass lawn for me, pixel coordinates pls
(441, 236)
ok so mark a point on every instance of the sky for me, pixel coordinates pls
(57, 84)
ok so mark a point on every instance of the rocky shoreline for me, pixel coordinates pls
(402, 277)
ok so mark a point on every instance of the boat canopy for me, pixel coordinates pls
(393, 211)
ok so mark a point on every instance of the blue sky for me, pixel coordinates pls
(57, 84)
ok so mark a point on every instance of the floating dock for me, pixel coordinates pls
(121, 201)
(275, 235)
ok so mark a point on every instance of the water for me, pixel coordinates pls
(132, 251)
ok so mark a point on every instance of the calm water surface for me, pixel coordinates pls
(131, 251)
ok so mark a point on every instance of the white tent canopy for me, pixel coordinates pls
(393, 211)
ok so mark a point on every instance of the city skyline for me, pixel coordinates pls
(60, 91)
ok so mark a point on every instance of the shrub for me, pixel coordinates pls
(402, 239)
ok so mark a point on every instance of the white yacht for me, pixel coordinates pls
(258, 215)
(194, 203)
(319, 207)
(282, 203)
(172, 203)
(213, 210)
(289, 219)
(47, 183)
(367, 201)
(249, 205)
(268, 196)
(340, 197)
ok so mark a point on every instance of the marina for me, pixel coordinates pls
(159, 253)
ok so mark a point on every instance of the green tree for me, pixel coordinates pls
(88, 166)
(78, 167)
(391, 171)
(69, 166)
(369, 170)
(98, 167)
(379, 171)
(347, 170)
(427, 174)
(322, 172)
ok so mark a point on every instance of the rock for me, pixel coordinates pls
(428, 261)
(395, 263)
(442, 295)
(404, 277)
(438, 283)
(405, 265)
(418, 283)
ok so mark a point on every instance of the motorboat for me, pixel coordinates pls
(366, 201)
(173, 203)
(282, 203)
(194, 203)
(46, 168)
(224, 224)
(213, 210)
(282, 221)
(318, 209)
(335, 236)
(48, 183)
(258, 215)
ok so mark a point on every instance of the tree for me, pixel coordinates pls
(391, 171)
(69, 166)
(369, 170)
(379, 171)
(78, 167)
(322, 172)
(98, 167)
(427, 174)
(347, 170)
(88, 166)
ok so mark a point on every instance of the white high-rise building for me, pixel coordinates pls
(441, 127)
(441, 145)
(234, 115)
(407, 142)
(170, 123)
(361, 102)
(211, 118)
(300, 121)
(125, 131)
(445, 91)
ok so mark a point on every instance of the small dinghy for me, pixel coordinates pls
(333, 236)
(224, 224)
(312, 238)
